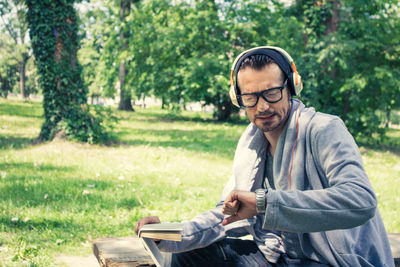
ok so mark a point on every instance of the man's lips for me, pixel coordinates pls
(265, 117)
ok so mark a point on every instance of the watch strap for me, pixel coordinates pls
(261, 200)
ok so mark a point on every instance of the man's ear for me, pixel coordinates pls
(289, 95)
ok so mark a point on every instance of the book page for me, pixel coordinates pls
(172, 236)
(162, 227)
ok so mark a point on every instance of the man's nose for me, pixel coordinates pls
(262, 105)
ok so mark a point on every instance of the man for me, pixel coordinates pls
(298, 186)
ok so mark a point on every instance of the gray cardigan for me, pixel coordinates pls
(331, 204)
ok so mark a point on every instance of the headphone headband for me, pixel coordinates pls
(280, 57)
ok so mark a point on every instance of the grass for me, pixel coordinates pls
(56, 197)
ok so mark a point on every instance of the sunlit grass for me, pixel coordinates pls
(57, 197)
(383, 169)
(19, 123)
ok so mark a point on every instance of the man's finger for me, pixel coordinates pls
(146, 220)
(138, 226)
(230, 219)
(229, 211)
(236, 204)
(229, 208)
(232, 196)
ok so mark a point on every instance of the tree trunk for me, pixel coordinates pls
(388, 113)
(164, 104)
(314, 21)
(224, 110)
(332, 24)
(125, 95)
(346, 107)
(3, 93)
(22, 76)
(125, 102)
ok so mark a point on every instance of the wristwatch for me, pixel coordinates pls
(261, 200)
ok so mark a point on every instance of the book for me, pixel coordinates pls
(161, 231)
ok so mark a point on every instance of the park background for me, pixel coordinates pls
(113, 110)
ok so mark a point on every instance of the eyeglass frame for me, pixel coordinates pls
(261, 93)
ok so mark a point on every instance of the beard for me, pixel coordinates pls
(278, 119)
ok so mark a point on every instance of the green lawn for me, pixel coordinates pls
(57, 197)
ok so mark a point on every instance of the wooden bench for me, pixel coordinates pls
(121, 252)
(394, 239)
(129, 251)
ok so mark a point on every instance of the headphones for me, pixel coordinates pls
(281, 58)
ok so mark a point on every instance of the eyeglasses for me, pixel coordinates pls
(271, 95)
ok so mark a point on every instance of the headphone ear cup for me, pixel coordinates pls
(297, 83)
(290, 84)
(233, 96)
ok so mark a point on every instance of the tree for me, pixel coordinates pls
(8, 68)
(182, 52)
(107, 40)
(13, 18)
(351, 61)
(125, 102)
(53, 32)
(94, 27)
(208, 66)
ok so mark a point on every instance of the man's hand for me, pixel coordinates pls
(146, 220)
(240, 205)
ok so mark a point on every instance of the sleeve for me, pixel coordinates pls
(348, 199)
(199, 232)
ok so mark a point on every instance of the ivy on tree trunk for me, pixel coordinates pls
(53, 32)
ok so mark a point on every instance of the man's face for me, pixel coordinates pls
(268, 117)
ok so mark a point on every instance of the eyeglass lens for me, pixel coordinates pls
(270, 95)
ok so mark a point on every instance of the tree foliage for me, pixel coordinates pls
(8, 70)
(351, 60)
(181, 51)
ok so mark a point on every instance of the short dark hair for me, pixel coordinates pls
(257, 62)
